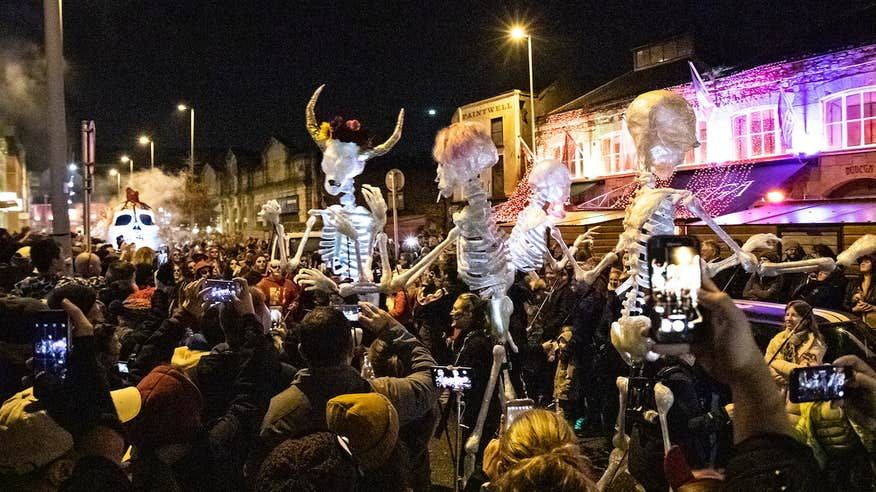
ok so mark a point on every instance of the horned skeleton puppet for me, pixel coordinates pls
(350, 231)
(663, 126)
(270, 214)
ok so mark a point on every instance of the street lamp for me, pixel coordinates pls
(145, 140)
(115, 172)
(182, 108)
(130, 162)
(518, 33)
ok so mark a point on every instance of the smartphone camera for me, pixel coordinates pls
(350, 311)
(451, 377)
(221, 290)
(123, 368)
(514, 408)
(52, 342)
(818, 383)
(674, 264)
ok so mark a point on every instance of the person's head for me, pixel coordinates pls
(177, 257)
(710, 250)
(143, 256)
(469, 312)
(369, 421)
(823, 251)
(213, 253)
(276, 270)
(165, 275)
(792, 250)
(83, 296)
(107, 345)
(865, 265)
(144, 275)
(799, 315)
(45, 255)
(261, 263)
(313, 463)
(203, 269)
(324, 338)
(539, 451)
(119, 271)
(614, 278)
(170, 411)
(87, 265)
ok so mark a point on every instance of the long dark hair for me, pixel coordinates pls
(809, 322)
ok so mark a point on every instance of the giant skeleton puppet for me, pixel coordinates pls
(349, 231)
(663, 126)
(134, 222)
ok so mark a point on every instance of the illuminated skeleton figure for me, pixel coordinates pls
(270, 213)
(134, 222)
(663, 126)
(349, 231)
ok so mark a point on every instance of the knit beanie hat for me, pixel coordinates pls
(170, 412)
(29, 437)
(317, 462)
(369, 421)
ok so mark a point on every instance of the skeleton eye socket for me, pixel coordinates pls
(145, 219)
(122, 220)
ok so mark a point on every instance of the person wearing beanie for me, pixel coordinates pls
(174, 447)
(765, 289)
(369, 421)
(318, 462)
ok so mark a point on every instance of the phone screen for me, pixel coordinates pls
(674, 263)
(515, 407)
(51, 342)
(817, 383)
(351, 311)
(221, 290)
(123, 367)
(453, 378)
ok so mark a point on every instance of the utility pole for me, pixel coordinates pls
(88, 134)
(56, 121)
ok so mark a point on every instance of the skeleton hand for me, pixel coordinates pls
(313, 279)
(377, 205)
(748, 261)
(355, 288)
(761, 241)
(590, 276)
(586, 238)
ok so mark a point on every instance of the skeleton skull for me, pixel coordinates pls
(462, 151)
(551, 181)
(270, 212)
(276, 269)
(663, 126)
(135, 226)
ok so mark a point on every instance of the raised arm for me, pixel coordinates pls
(401, 281)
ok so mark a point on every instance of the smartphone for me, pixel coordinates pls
(221, 290)
(51, 344)
(351, 312)
(451, 377)
(674, 266)
(515, 407)
(123, 367)
(818, 383)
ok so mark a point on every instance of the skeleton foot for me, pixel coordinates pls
(313, 279)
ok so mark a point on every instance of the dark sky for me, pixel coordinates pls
(248, 67)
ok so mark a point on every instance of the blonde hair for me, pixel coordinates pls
(144, 255)
(539, 451)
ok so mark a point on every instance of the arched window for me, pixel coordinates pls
(850, 119)
(756, 133)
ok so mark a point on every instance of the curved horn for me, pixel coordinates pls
(310, 118)
(390, 142)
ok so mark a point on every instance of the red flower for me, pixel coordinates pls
(354, 125)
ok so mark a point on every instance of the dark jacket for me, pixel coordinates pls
(827, 294)
(475, 350)
(766, 289)
(158, 347)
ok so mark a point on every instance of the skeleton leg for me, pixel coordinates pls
(664, 399)
(474, 440)
(621, 442)
(769, 269)
(501, 308)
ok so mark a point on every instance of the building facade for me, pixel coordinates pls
(14, 188)
(242, 183)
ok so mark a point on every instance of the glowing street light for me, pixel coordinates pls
(72, 167)
(183, 108)
(146, 140)
(518, 33)
(130, 162)
(431, 112)
(775, 196)
(118, 176)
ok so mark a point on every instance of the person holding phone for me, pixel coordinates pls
(799, 344)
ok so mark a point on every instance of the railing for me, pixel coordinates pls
(617, 198)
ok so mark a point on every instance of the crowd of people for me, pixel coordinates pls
(275, 388)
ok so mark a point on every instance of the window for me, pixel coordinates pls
(610, 148)
(850, 119)
(664, 52)
(756, 133)
(496, 131)
(580, 161)
(701, 153)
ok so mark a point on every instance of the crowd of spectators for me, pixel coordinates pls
(275, 389)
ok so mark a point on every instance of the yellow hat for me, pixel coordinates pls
(24, 251)
(29, 437)
(369, 421)
(127, 402)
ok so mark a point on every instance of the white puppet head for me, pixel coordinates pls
(462, 151)
(134, 223)
(345, 147)
(551, 182)
(663, 126)
(270, 213)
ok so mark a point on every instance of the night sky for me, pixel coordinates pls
(248, 67)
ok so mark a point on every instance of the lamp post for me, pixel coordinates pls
(146, 140)
(517, 33)
(115, 172)
(130, 162)
(191, 110)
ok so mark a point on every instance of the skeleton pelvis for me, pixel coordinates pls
(629, 335)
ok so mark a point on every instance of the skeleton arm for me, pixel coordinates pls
(401, 281)
(692, 203)
(311, 221)
(586, 238)
(581, 275)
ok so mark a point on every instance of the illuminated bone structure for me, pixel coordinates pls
(134, 222)
(350, 231)
(270, 213)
